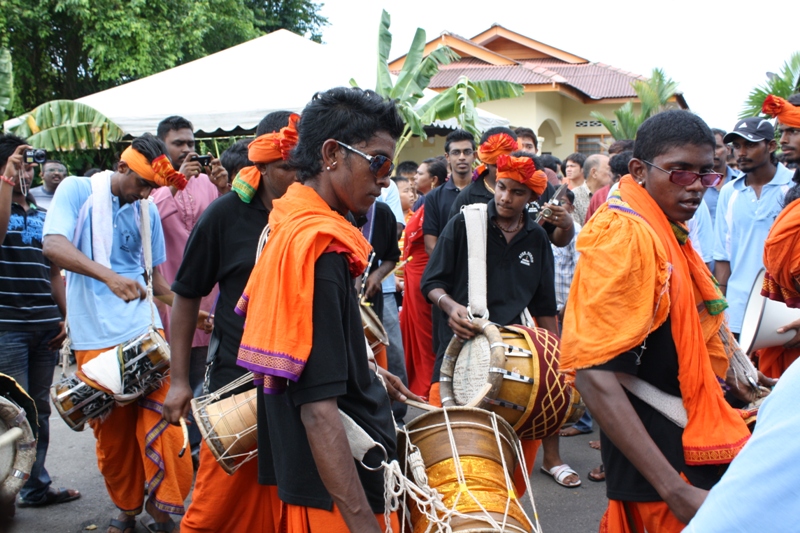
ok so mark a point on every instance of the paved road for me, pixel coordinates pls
(72, 463)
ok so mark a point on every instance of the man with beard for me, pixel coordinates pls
(746, 209)
(721, 152)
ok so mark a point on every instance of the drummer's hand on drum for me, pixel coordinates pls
(177, 403)
(394, 386)
(125, 288)
(458, 319)
(373, 285)
(794, 342)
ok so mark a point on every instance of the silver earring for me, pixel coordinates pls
(327, 168)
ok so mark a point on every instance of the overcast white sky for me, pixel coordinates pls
(716, 51)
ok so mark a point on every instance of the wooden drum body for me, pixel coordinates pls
(519, 367)
(18, 434)
(485, 451)
(229, 427)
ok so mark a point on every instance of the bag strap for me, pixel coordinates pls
(668, 405)
(476, 219)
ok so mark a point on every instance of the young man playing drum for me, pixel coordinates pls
(222, 250)
(106, 306)
(304, 338)
(645, 310)
(519, 272)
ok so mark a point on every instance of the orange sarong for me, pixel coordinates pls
(647, 516)
(299, 519)
(633, 273)
(137, 449)
(216, 494)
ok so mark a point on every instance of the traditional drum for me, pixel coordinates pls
(469, 456)
(519, 367)
(120, 375)
(228, 423)
(18, 428)
(376, 335)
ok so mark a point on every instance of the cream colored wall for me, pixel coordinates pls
(550, 114)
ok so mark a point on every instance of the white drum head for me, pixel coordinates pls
(472, 369)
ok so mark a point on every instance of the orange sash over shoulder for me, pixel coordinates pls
(278, 298)
(632, 274)
(782, 257)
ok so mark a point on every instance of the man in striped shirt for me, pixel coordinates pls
(33, 303)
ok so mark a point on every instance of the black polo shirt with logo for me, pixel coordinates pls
(519, 273)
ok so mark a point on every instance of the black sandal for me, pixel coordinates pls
(52, 496)
(123, 526)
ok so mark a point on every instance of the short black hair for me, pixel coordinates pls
(273, 122)
(577, 158)
(9, 143)
(348, 114)
(406, 167)
(437, 167)
(670, 129)
(570, 196)
(54, 162)
(91, 172)
(619, 163)
(235, 158)
(172, 123)
(149, 146)
(527, 132)
(400, 179)
(497, 129)
(550, 161)
(720, 132)
(794, 99)
(620, 146)
(456, 136)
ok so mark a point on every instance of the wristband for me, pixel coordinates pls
(440, 299)
(8, 180)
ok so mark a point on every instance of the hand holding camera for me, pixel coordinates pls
(16, 164)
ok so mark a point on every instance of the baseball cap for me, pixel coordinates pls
(753, 129)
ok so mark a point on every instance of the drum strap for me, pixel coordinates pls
(668, 405)
(147, 252)
(476, 221)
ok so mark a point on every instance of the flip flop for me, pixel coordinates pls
(159, 527)
(123, 526)
(51, 497)
(560, 473)
(600, 476)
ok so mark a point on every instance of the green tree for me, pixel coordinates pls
(418, 69)
(784, 85)
(6, 82)
(65, 49)
(654, 96)
(299, 16)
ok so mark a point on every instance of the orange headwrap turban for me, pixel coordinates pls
(265, 148)
(522, 170)
(495, 146)
(786, 113)
(158, 171)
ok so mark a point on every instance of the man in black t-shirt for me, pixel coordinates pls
(222, 250)
(303, 333)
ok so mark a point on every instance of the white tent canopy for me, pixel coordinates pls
(237, 87)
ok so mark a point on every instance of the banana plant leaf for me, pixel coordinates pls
(6, 80)
(65, 125)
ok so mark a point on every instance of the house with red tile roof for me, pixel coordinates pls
(561, 89)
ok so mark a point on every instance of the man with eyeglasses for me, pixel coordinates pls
(746, 209)
(52, 174)
(633, 317)
(303, 285)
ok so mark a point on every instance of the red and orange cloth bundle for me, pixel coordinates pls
(278, 299)
(522, 170)
(786, 113)
(630, 244)
(495, 146)
(158, 171)
(265, 148)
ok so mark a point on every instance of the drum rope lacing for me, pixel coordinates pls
(429, 501)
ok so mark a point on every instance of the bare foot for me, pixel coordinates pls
(594, 444)
(571, 432)
(159, 516)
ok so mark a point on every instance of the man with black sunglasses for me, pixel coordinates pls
(746, 208)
